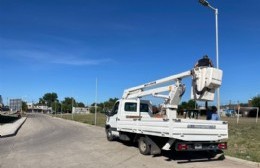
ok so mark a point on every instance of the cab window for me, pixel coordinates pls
(131, 107)
(144, 107)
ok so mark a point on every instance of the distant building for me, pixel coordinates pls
(36, 108)
(250, 103)
(1, 103)
(84, 110)
(15, 104)
(1, 100)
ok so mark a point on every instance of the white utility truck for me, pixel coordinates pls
(132, 119)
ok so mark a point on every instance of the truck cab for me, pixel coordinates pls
(126, 110)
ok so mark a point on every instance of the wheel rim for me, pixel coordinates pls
(109, 133)
(142, 145)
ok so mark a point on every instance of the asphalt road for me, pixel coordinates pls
(44, 141)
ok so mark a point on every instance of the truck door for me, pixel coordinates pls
(129, 115)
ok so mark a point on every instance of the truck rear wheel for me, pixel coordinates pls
(219, 154)
(143, 146)
(109, 134)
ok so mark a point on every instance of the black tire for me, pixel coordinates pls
(109, 134)
(219, 155)
(143, 146)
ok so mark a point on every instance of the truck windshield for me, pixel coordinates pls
(115, 109)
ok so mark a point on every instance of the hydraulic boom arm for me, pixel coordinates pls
(204, 82)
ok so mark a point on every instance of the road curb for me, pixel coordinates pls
(256, 164)
(11, 129)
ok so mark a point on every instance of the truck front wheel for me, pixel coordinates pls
(143, 146)
(110, 136)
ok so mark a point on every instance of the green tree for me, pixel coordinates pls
(191, 104)
(186, 106)
(55, 106)
(67, 104)
(92, 109)
(49, 98)
(104, 106)
(256, 101)
(108, 105)
(42, 101)
(80, 104)
(24, 106)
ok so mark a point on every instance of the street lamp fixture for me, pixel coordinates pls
(206, 4)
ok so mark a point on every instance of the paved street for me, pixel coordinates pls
(44, 141)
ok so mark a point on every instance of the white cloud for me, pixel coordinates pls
(45, 54)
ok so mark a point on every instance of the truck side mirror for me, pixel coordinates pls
(108, 112)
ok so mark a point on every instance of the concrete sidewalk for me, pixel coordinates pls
(10, 129)
(242, 161)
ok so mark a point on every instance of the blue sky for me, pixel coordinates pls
(63, 46)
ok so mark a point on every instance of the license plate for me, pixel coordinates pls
(198, 146)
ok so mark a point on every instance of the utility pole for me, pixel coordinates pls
(206, 4)
(238, 111)
(96, 103)
(72, 108)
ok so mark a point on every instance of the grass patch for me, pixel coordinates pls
(243, 141)
(85, 118)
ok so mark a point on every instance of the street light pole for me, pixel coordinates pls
(72, 108)
(96, 103)
(206, 4)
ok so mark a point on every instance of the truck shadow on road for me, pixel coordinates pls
(186, 156)
(190, 157)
